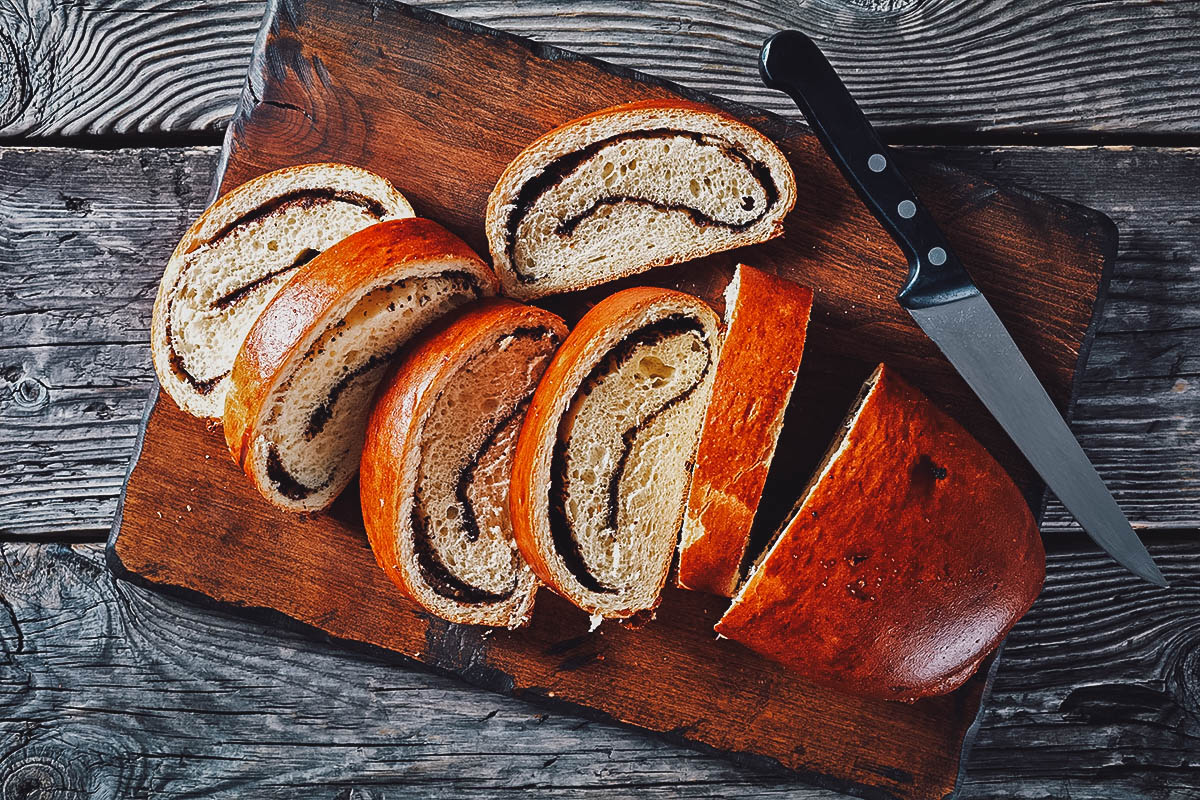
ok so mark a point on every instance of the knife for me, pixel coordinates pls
(946, 303)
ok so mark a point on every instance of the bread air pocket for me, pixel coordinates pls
(304, 380)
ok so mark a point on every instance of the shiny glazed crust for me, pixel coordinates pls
(905, 563)
(278, 335)
(594, 336)
(762, 343)
(394, 436)
(574, 134)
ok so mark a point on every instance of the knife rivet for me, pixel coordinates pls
(876, 162)
(937, 256)
(906, 209)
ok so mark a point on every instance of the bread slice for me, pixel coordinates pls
(633, 187)
(235, 257)
(438, 458)
(304, 380)
(909, 556)
(601, 468)
(762, 342)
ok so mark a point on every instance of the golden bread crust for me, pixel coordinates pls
(762, 344)
(278, 335)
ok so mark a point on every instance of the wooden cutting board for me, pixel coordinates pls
(440, 107)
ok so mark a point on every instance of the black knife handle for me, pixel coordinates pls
(792, 63)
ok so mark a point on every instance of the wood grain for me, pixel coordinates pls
(1147, 351)
(315, 92)
(181, 730)
(109, 690)
(251, 555)
(441, 108)
(935, 68)
(129, 693)
(1098, 688)
(124, 67)
(84, 237)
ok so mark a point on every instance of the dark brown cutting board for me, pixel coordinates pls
(440, 107)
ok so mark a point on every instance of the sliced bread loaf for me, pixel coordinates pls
(303, 382)
(762, 342)
(908, 557)
(235, 257)
(438, 458)
(601, 469)
(629, 188)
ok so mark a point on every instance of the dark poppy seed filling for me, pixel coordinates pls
(558, 170)
(433, 569)
(321, 415)
(565, 541)
(438, 575)
(301, 198)
(306, 255)
(287, 484)
(198, 386)
(467, 475)
(461, 282)
(567, 226)
(282, 480)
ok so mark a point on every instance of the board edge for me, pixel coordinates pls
(250, 95)
(111, 557)
(1109, 236)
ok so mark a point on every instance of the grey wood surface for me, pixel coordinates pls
(954, 68)
(107, 690)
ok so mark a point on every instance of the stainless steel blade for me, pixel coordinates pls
(980, 348)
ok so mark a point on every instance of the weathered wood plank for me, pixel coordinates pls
(83, 236)
(946, 68)
(1139, 409)
(315, 88)
(122, 692)
(1098, 693)
(123, 67)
